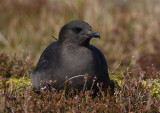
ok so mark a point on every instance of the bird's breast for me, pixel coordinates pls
(77, 59)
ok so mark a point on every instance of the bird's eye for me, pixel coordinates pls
(76, 29)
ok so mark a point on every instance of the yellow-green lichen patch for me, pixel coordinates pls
(154, 85)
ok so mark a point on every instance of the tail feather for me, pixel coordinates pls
(34, 80)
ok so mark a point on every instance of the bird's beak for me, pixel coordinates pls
(93, 34)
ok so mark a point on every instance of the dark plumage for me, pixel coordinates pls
(72, 55)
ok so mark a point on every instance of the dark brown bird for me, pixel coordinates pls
(72, 55)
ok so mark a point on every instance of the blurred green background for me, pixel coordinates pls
(128, 28)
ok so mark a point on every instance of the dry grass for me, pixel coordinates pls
(128, 28)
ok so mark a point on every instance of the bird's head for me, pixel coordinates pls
(77, 32)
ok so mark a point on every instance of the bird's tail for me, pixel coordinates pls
(34, 79)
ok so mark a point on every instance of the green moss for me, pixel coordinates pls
(117, 76)
(20, 81)
(154, 85)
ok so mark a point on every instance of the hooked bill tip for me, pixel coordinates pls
(94, 34)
